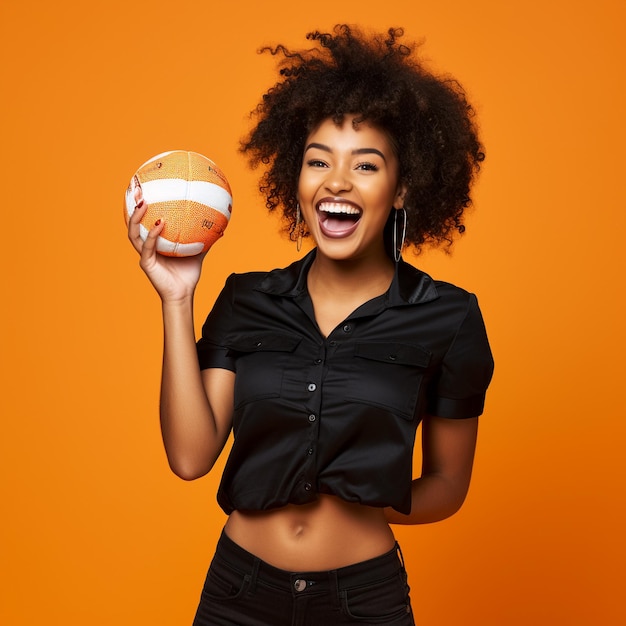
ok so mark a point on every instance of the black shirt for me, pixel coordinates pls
(338, 415)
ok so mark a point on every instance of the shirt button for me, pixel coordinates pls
(312, 417)
(308, 486)
(318, 361)
(312, 387)
(332, 343)
(347, 328)
(309, 451)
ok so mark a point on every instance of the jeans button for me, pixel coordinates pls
(299, 585)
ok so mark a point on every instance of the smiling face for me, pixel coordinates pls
(348, 184)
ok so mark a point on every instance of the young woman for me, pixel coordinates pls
(325, 369)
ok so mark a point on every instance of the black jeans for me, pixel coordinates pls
(242, 590)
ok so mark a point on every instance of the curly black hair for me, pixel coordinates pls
(379, 80)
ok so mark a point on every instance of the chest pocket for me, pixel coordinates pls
(262, 359)
(389, 375)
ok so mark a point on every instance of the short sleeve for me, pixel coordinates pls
(211, 348)
(460, 387)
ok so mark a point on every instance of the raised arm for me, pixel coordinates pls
(448, 447)
(196, 407)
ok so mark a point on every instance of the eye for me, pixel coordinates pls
(316, 163)
(367, 167)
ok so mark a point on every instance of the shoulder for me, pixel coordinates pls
(286, 281)
(245, 281)
(450, 290)
(459, 306)
(415, 286)
(450, 293)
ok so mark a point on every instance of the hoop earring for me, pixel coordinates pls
(298, 229)
(397, 249)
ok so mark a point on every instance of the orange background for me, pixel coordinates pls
(95, 529)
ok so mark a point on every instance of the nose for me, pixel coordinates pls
(338, 180)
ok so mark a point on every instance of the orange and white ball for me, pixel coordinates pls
(190, 193)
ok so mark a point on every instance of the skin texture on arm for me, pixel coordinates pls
(448, 447)
(196, 407)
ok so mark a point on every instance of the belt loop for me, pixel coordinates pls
(333, 581)
(399, 551)
(254, 575)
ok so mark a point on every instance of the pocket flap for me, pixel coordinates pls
(398, 353)
(264, 342)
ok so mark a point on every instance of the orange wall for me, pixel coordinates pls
(94, 528)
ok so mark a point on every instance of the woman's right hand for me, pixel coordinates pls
(174, 278)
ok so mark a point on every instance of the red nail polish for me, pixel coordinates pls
(139, 205)
(157, 222)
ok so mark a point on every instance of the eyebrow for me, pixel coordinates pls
(321, 146)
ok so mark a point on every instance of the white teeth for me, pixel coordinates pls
(338, 207)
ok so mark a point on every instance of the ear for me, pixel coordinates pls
(398, 201)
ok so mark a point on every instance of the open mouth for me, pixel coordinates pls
(338, 218)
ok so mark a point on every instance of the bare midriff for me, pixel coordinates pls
(326, 534)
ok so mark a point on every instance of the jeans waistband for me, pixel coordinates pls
(378, 568)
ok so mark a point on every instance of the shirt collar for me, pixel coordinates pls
(409, 285)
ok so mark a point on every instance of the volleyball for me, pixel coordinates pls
(190, 193)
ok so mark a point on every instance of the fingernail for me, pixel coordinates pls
(157, 222)
(139, 205)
